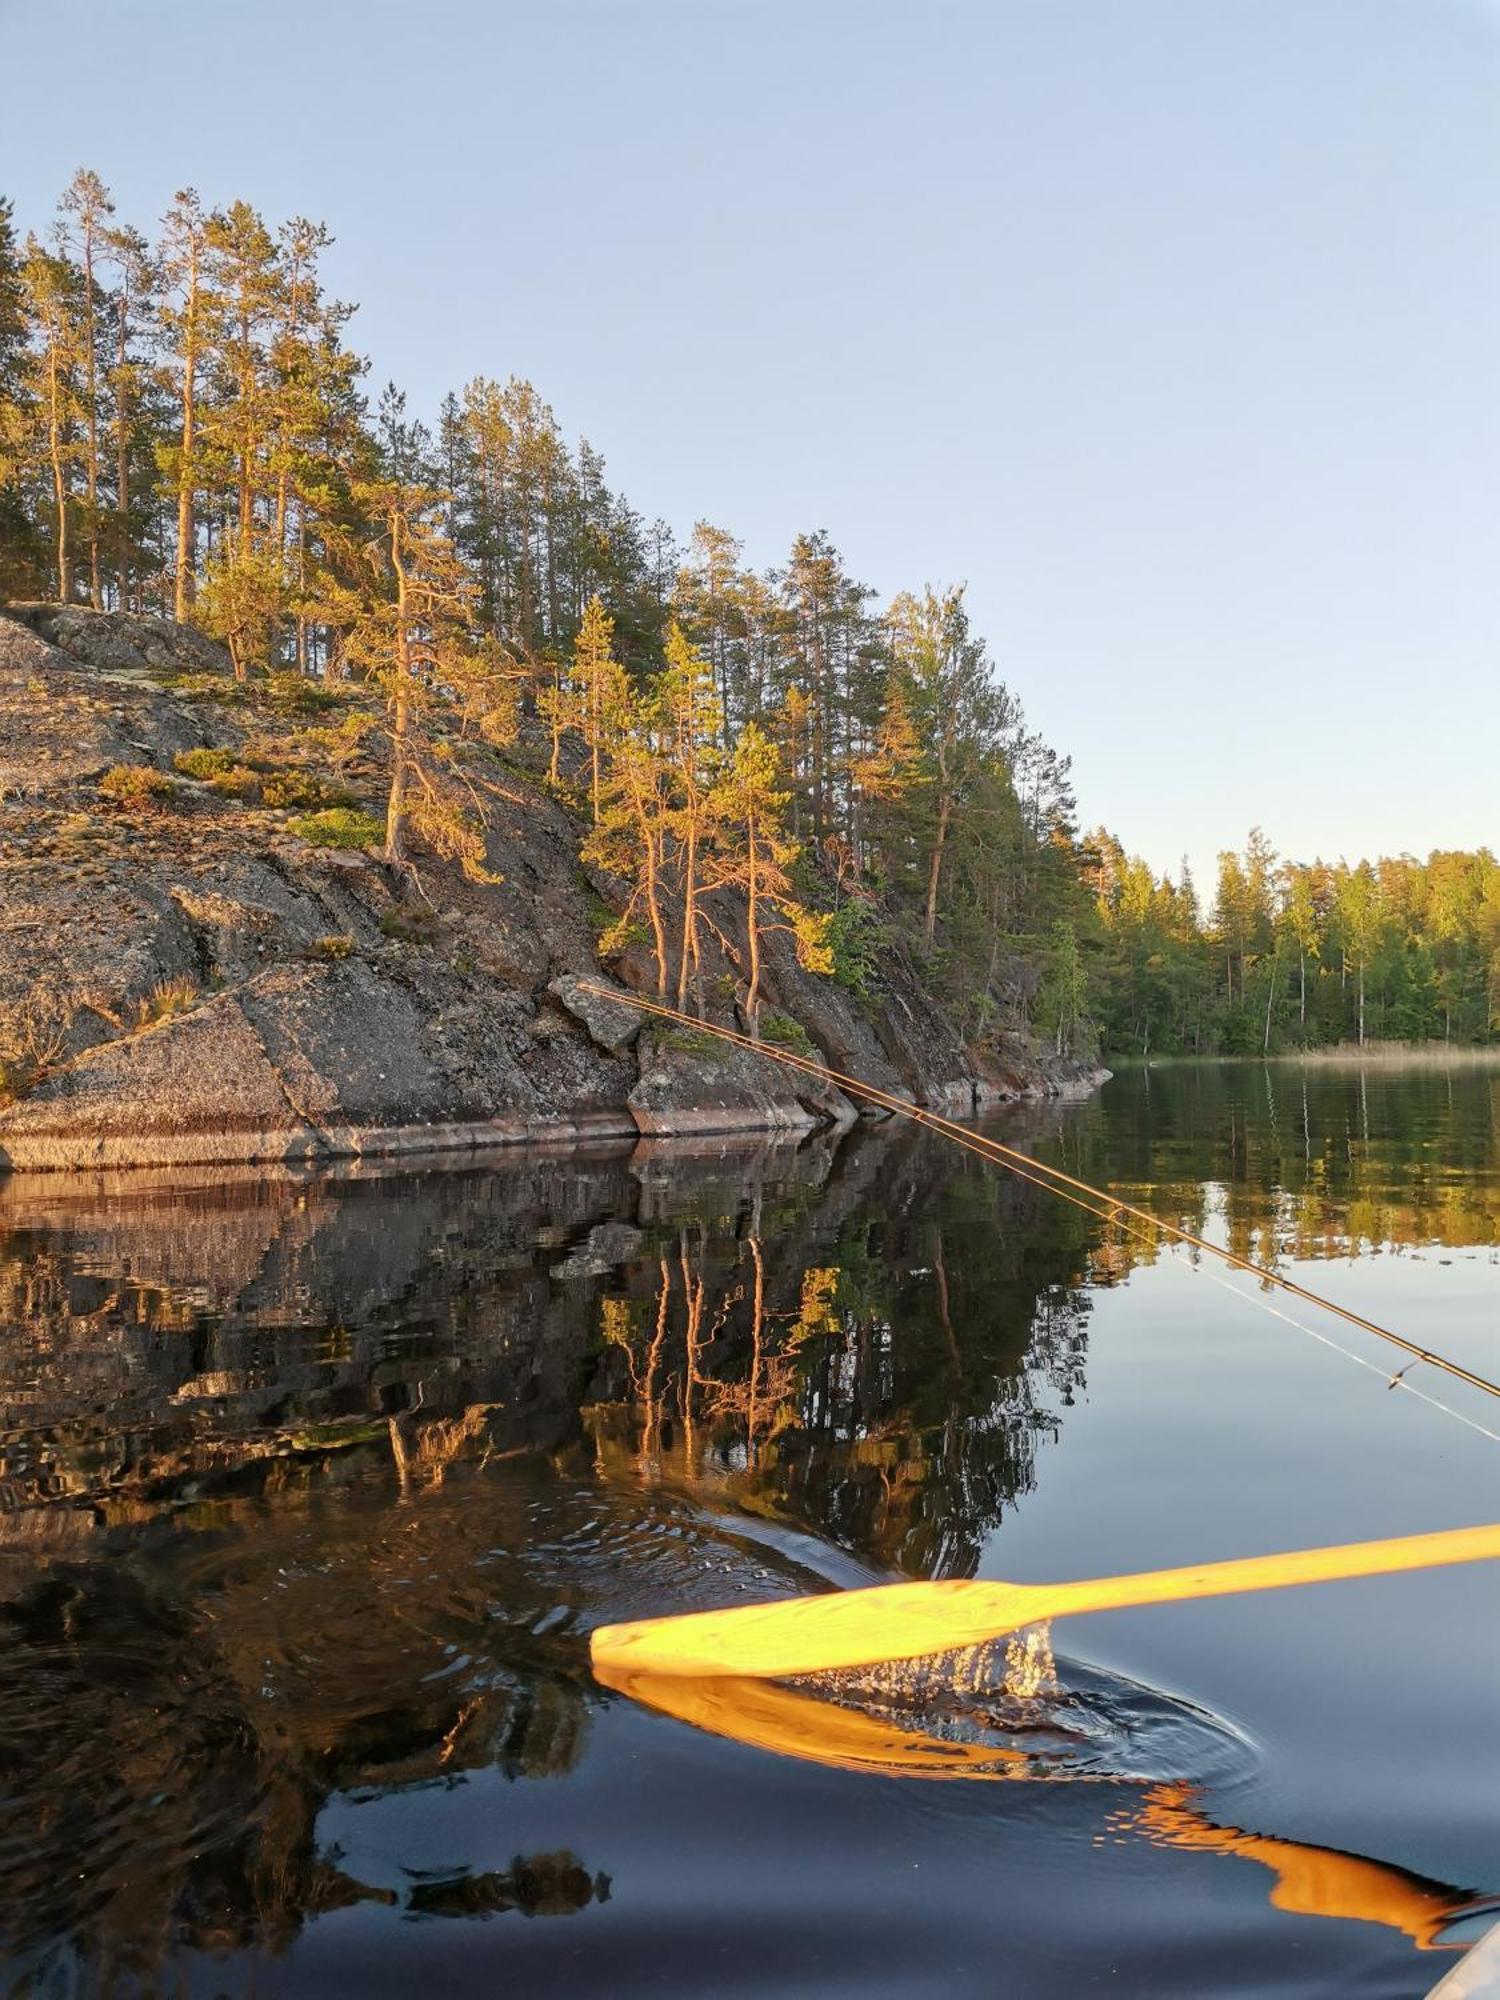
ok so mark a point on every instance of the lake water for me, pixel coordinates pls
(312, 1488)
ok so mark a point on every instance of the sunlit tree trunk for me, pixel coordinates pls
(395, 811)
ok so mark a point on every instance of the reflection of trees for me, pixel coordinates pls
(1286, 1164)
(172, 1719)
(277, 1453)
(887, 1377)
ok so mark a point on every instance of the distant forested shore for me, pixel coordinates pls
(186, 431)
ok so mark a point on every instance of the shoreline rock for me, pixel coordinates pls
(194, 984)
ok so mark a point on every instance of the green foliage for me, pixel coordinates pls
(854, 934)
(204, 763)
(1297, 955)
(786, 1033)
(294, 694)
(330, 949)
(236, 783)
(139, 787)
(340, 826)
(306, 791)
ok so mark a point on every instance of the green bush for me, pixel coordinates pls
(331, 948)
(291, 693)
(341, 826)
(786, 1033)
(203, 763)
(237, 783)
(136, 785)
(854, 935)
(305, 790)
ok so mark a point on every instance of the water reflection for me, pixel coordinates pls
(1280, 1162)
(310, 1490)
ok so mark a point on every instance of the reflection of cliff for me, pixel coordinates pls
(859, 1367)
(149, 1337)
(173, 1716)
(301, 1490)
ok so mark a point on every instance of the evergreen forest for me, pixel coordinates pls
(187, 430)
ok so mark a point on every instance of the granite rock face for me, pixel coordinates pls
(691, 1083)
(192, 981)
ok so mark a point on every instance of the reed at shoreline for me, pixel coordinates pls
(1346, 1055)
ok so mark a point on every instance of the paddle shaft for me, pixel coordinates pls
(858, 1628)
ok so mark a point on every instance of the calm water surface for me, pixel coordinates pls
(311, 1490)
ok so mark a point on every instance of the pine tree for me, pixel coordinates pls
(630, 837)
(956, 709)
(598, 686)
(188, 318)
(55, 304)
(693, 722)
(753, 853)
(409, 617)
(86, 205)
(128, 381)
(18, 540)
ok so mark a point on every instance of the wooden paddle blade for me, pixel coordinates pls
(808, 1635)
(901, 1621)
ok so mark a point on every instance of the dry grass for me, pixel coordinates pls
(1434, 1055)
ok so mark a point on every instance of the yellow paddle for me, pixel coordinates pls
(901, 1621)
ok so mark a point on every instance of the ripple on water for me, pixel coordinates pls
(1046, 1717)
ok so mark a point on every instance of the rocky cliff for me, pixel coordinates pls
(187, 973)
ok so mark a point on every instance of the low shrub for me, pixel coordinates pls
(136, 785)
(291, 693)
(236, 783)
(341, 826)
(786, 1033)
(203, 763)
(330, 949)
(306, 791)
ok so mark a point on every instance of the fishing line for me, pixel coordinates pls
(1054, 1180)
(1360, 1360)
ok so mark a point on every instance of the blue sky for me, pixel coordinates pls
(1171, 326)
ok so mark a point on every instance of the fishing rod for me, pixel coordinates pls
(1054, 1180)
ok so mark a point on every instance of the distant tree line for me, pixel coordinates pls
(1296, 954)
(185, 430)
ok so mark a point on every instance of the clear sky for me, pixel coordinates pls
(1171, 326)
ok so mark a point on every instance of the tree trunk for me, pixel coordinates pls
(395, 810)
(689, 912)
(934, 873)
(91, 391)
(122, 459)
(59, 476)
(653, 905)
(183, 592)
(752, 899)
